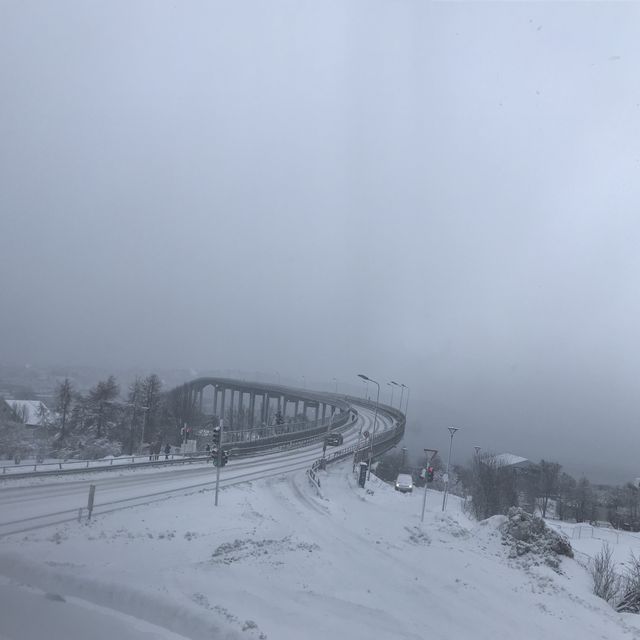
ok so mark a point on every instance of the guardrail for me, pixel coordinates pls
(237, 450)
(119, 461)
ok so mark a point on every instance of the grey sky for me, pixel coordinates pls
(445, 194)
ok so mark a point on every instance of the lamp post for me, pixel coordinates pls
(395, 384)
(390, 385)
(406, 406)
(401, 392)
(452, 431)
(375, 422)
(304, 382)
(278, 374)
(336, 381)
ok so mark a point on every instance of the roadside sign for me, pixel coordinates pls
(204, 432)
(365, 434)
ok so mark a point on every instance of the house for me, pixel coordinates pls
(511, 460)
(32, 413)
(6, 412)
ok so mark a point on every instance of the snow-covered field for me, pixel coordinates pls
(588, 541)
(275, 560)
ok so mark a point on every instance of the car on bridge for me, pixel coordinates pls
(334, 439)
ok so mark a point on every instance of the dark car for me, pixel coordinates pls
(334, 439)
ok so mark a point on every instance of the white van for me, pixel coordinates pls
(404, 483)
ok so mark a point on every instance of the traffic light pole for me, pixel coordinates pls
(219, 462)
(426, 471)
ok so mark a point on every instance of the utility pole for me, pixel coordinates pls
(219, 459)
(375, 421)
(433, 453)
(452, 431)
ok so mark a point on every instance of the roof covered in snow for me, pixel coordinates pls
(511, 460)
(31, 412)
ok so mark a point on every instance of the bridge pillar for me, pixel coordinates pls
(215, 400)
(231, 407)
(252, 408)
(317, 412)
(222, 390)
(324, 410)
(265, 408)
(201, 394)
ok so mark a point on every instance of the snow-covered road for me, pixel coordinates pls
(277, 561)
(28, 505)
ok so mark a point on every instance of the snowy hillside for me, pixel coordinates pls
(277, 561)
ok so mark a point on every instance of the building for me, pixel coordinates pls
(32, 413)
(6, 412)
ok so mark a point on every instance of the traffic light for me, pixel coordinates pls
(219, 455)
(430, 472)
(216, 436)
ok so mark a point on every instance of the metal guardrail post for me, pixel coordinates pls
(92, 493)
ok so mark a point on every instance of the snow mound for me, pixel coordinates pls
(527, 534)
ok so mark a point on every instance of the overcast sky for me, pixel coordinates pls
(442, 194)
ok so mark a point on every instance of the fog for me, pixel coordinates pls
(440, 194)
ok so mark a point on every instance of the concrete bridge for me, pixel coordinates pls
(253, 410)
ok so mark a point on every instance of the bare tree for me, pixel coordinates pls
(565, 507)
(135, 396)
(549, 483)
(64, 398)
(584, 501)
(152, 388)
(493, 487)
(100, 398)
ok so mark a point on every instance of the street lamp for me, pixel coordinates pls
(375, 421)
(334, 379)
(452, 431)
(390, 385)
(393, 382)
(304, 382)
(278, 374)
(402, 388)
(406, 406)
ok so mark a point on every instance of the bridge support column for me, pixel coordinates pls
(265, 408)
(231, 407)
(324, 410)
(252, 408)
(222, 390)
(201, 398)
(215, 400)
(317, 412)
